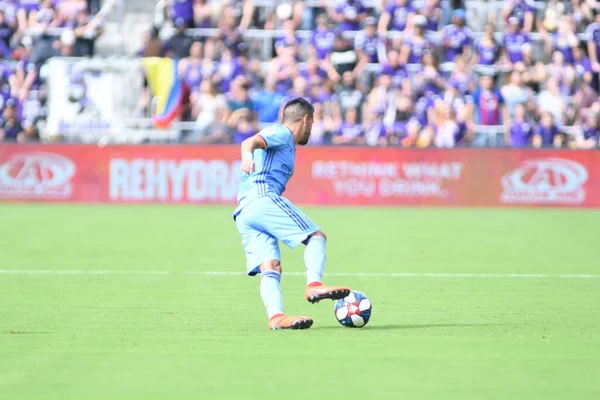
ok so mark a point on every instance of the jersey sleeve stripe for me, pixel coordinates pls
(263, 139)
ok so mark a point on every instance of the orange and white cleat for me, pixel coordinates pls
(282, 321)
(316, 292)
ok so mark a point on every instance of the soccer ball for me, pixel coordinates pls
(354, 310)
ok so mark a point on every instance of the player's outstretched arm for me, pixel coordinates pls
(248, 147)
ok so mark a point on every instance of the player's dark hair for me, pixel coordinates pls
(296, 109)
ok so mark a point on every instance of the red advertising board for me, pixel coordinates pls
(323, 175)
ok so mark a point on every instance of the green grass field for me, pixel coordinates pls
(117, 330)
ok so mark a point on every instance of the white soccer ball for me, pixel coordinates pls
(354, 310)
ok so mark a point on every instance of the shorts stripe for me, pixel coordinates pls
(301, 221)
(262, 187)
(297, 219)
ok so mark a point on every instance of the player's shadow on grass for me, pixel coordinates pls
(416, 326)
(25, 333)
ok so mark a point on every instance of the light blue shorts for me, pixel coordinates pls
(265, 221)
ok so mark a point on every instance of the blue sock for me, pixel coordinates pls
(270, 291)
(314, 258)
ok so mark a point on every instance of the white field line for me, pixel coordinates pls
(239, 273)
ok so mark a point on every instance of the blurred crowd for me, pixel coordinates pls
(392, 72)
(31, 32)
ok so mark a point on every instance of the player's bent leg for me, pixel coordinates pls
(270, 291)
(314, 258)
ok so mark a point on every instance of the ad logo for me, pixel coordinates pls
(545, 181)
(36, 175)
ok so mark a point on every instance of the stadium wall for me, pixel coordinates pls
(323, 175)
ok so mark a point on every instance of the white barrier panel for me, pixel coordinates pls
(92, 97)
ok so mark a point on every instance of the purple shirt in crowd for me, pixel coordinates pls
(397, 73)
(433, 20)
(183, 9)
(10, 8)
(228, 70)
(350, 9)
(487, 55)
(457, 38)
(192, 76)
(520, 8)
(422, 106)
(242, 134)
(520, 134)
(351, 131)
(11, 129)
(30, 5)
(399, 15)
(513, 42)
(323, 42)
(5, 71)
(460, 83)
(593, 35)
(285, 41)
(416, 50)
(560, 42)
(314, 77)
(591, 133)
(547, 134)
(369, 45)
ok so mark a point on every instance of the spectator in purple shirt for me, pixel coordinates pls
(415, 45)
(10, 10)
(457, 37)
(589, 138)
(395, 69)
(487, 50)
(290, 38)
(547, 133)
(349, 14)
(513, 42)
(522, 10)
(565, 40)
(433, 12)
(350, 132)
(424, 109)
(243, 124)
(583, 67)
(231, 33)
(203, 14)
(313, 73)
(593, 42)
(322, 39)
(45, 17)
(190, 68)
(228, 68)
(429, 78)
(10, 127)
(183, 9)
(283, 69)
(519, 130)
(368, 42)
(397, 16)
(6, 33)
(461, 78)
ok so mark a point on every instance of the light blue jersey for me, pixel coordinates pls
(262, 216)
(273, 166)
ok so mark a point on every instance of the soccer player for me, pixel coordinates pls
(263, 217)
